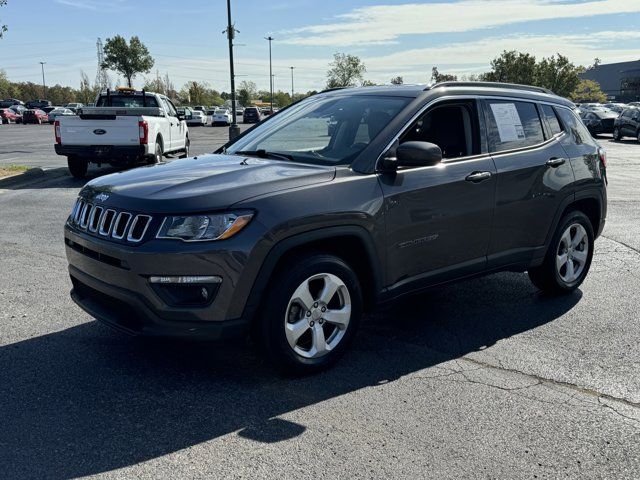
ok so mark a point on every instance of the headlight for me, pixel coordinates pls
(199, 228)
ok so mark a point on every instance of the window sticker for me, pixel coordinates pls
(508, 122)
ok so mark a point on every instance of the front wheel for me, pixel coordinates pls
(311, 314)
(617, 136)
(77, 166)
(569, 256)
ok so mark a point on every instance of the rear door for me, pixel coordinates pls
(533, 178)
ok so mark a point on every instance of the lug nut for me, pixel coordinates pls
(311, 323)
(315, 305)
(324, 309)
(321, 321)
(308, 313)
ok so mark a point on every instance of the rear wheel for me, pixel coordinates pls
(158, 153)
(187, 144)
(638, 136)
(77, 166)
(310, 315)
(569, 256)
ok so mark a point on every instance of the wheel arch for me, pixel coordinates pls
(589, 201)
(353, 244)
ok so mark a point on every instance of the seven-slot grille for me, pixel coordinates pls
(109, 223)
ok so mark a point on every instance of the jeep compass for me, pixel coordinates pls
(342, 201)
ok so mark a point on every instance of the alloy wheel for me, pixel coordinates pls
(572, 253)
(317, 315)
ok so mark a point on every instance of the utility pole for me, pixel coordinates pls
(44, 85)
(270, 38)
(292, 83)
(234, 129)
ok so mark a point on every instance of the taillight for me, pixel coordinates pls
(143, 126)
(603, 157)
(56, 128)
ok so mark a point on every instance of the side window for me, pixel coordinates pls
(636, 115)
(169, 108)
(512, 125)
(552, 119)
(575, 127)
(454, 127)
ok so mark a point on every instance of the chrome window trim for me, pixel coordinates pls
(444, 98)
(101, 230)
(133, 226)
(116, 222)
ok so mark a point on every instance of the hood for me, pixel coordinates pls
(202, 183)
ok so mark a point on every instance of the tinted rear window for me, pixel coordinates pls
(552, 119)
(513, 125)
(129, 101)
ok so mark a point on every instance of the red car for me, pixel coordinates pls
(8, 116)
(34, 116)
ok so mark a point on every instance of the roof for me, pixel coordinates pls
(463, 88)
(609, 75)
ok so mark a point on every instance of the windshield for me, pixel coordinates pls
(326, 130)
(129, 101)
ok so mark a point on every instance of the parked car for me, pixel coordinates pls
(599, 120)
(9, 102)
(40, 104)
(125, 127)
(633, 104)
(251, 115)
(616, 107)
(627, 124)
(18, 109)
(34, 115)
(239, 111)
(59, 112)
(7, 115)
(74, 106)
(200, 108)
(221, 116)
(197, 117)
(292, 237)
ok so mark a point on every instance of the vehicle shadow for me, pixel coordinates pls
(87, 400)
(54, 178)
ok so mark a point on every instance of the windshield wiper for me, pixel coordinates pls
(262, 153)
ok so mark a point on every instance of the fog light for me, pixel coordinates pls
(187, 280)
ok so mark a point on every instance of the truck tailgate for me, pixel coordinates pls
(121, 130)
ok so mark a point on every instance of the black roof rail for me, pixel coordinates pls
(512, 86)
(332, 89)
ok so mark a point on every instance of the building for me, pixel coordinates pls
(619, 81)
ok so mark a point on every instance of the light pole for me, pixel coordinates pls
(270, 38)
(292, 83)
(44, 85)
(234, 129)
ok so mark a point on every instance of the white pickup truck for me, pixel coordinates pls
(125, 127)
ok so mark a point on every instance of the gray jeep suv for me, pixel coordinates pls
(347, 199)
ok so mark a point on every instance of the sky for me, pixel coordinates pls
(392, 37)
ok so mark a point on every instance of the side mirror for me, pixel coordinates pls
(181, 116)
(418, 154)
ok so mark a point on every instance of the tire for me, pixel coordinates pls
(304, 350)
(158, 154)
(638, 136)
(617, 136)
(569, 256)
(77, 166)
(187, 144)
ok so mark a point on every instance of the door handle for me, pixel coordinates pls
(556, 162)
(477, 177)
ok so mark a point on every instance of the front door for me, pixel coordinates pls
(438, 218)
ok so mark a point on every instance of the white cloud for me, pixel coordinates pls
(386, 23)
(91, 4)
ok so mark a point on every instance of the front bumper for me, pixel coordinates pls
(111, 283)
(103, 153)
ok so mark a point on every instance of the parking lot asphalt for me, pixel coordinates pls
(483, 379)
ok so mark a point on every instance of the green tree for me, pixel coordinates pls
(87, 93)
(397, 81)
(246, 92)
(345, 71)
(512, 67)
(127, 59)
(557, 74)
(438, 77)
(588, 91)
(281, 99)
(3, 28)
